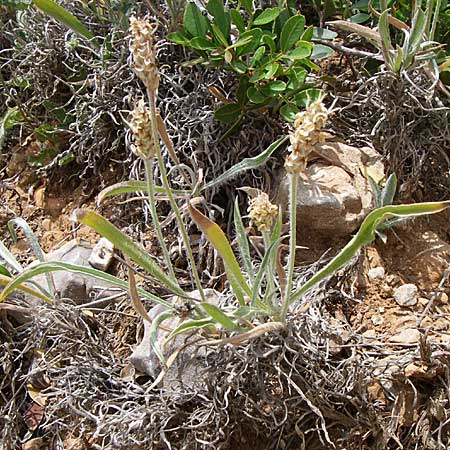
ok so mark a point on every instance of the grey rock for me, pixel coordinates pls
(186, 372)
(334, 198)
(102, 255)
(79, 288)
(406, 295)
(406, 336)
(376, 273)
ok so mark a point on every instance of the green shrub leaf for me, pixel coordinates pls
(268, 15)
(301, 51)
(291, 32)
(194, 21)
(228, 113)
(321, 51)
(288, 112)
(308, 96)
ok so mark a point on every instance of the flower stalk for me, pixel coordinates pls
(144, 62)
(306, 135)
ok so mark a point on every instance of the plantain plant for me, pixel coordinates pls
(263, 288)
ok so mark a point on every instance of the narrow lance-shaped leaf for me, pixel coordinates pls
(242, 240)
(194, 324)
(54, 266)
(267, 259)
(155, 324)
(6, 281)
(416, 36)
(126, 245)
(218, 240)
(246, 164)
(219, 316)
(366, 235)
(9, 258)
(62, 15)
(131, 186)
(388, 192)
(34, 243)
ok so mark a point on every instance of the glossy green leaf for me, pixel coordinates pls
(270, 42)
(296, 77)
(219, 316)
(241, 92)
(237, 19)
(194, 21)
(301, 51)
(321, 51)
(121, 241)
(291, 32)
(60, 14)
(323, 33)
(307, 34)
(308, 96)
(273, 88)
(271, 70)
(238, 66)
(228, 113)
(246, 164)
(11, 118)
(178, 38)
(288, 112)
(201, 43)
(221, 17)
(219, 36)
(247, 5)
(257, 55)
(359, 18)
(54, 266)
(253, 43)
(255, 96)
(268, 15)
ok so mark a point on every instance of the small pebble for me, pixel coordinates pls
(406, 336)
(393, 279)
(377, 319)
(47, 224)
(376, 273)
(406, 295)
(423, 301)
(442, 298)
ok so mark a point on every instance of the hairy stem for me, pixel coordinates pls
(292, 244)
(148, 162)
(173, 203)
